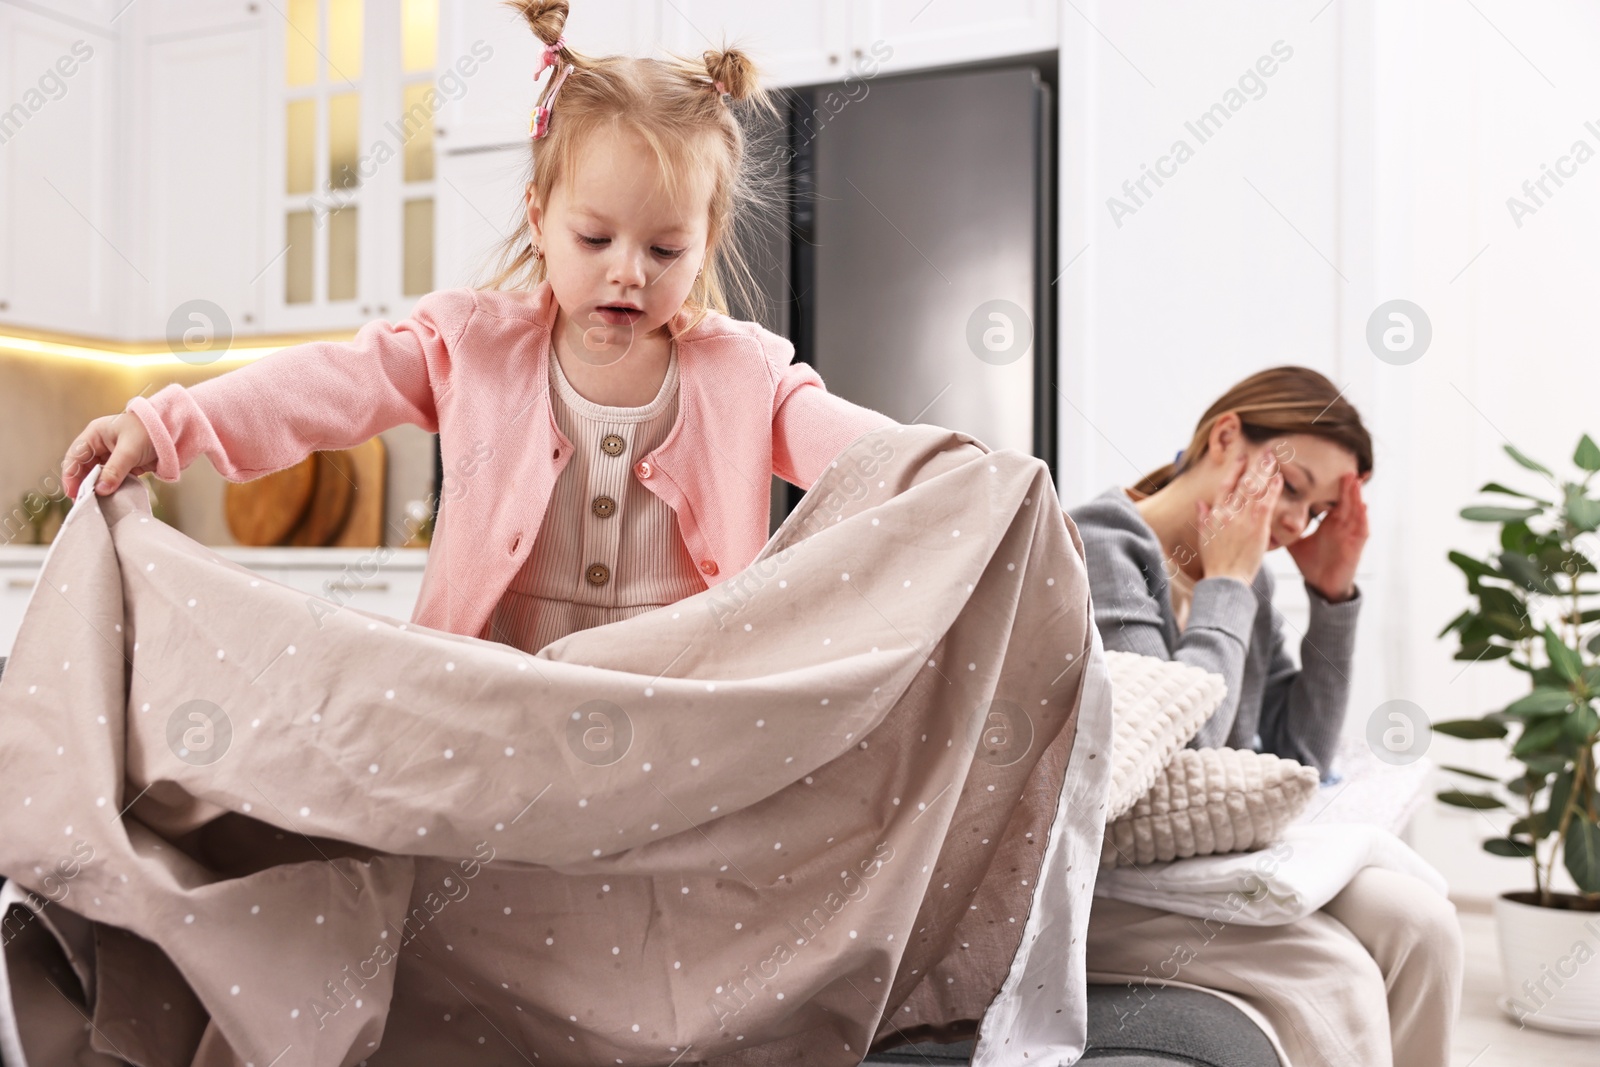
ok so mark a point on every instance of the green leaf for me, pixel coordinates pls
(1531, 782)
(1502, 601)
(1528, 574)
(1594, 644)
(1582, 512)
(1538, 738)
(1547, 764)
(1559, 560)
(1504, 846)
(1471, 729)
(1510, 627)
(1582, 724)
(1473, 568)
(1517, 537)
(1496, 487)
(1475, 801)
(1560, 792)
(1582, 853)
(1472, 774)
(1531, 464)
(1543, 701)
(1548, 677)
(1479, 651)
(1588, 454)
(1562, 657)
(1489, 513)
(1538, 825)
(1455, 623)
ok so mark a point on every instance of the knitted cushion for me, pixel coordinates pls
(1157, 705)
(1208, 801)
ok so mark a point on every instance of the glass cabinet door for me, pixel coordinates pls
(355, 216)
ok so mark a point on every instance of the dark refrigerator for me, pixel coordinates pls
(912, 262)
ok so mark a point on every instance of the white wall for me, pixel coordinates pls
(1381, 158)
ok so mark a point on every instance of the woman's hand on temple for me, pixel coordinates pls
(1233, 535)
(1328, 558)
(119, 442)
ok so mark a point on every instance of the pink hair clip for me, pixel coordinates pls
(539, 123)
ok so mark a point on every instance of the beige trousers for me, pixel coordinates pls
(1373, 979)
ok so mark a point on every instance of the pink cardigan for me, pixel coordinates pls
(471, 366)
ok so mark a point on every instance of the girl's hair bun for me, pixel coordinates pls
(547, 17)
(734, 70)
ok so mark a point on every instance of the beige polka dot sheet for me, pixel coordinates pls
(853, 796)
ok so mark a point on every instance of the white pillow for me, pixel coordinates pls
(1157, 705)
(1208, 801)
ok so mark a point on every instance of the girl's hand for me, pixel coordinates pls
(1234, 535)
(120, 442)
(1328, 558)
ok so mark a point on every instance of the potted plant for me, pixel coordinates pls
(1536, 609)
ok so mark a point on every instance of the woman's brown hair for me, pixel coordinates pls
(1276, 403)
(678, 107)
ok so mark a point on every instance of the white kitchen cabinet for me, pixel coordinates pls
(18, 575)
(479, 204)
(352, 578)
(791, 44)
(349, 161)
(491, 106)
(923, 34)
(385, 581)
(101, 16)
(61, 246)
(205, 209)
(168, 17)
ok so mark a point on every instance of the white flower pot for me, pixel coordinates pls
(1550, 958)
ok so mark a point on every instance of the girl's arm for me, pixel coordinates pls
(1303, 709)
(811, 426)
(271, 414)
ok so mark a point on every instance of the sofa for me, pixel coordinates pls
(1174, 1027)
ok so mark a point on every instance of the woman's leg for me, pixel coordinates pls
(1413, 934)
(1312, 979)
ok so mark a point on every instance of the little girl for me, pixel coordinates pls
(608, 433)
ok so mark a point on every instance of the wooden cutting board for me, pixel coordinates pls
(328, 498)
(364, 527)
(330, 503)
(266, 510)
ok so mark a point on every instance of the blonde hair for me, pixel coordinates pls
(1276, 403)
(676, 107)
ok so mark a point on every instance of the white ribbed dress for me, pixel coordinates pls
(608, 548)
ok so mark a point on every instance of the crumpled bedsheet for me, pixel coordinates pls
(851, 797)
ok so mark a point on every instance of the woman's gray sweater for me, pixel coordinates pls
(1232, 629)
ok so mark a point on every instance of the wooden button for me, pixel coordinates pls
(603, 507)
(612, 445)
(708, 566)
(598, 574)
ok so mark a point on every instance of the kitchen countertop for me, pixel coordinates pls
(276, 556)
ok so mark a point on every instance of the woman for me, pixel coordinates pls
(1175, 562)
(1373, 978)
